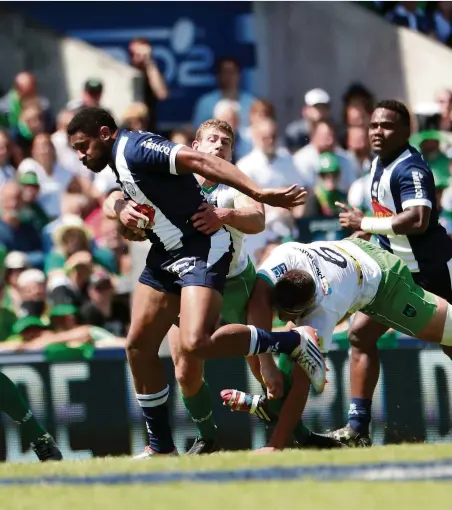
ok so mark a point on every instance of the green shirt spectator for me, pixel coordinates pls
(31, 211)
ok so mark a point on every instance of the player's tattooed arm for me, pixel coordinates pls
(189, 161)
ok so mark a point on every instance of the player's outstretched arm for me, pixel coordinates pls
(219, 170)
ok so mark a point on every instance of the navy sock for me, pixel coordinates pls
(359, 414)
(267, 341)
(156, 415)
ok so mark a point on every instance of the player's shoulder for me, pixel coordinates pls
(409, 161)
(141, 146)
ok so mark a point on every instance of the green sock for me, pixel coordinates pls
(285, 364)
(13, 404)
(199, 408)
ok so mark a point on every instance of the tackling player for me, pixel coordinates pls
(406, 223)
(322, 283)
(185, 269)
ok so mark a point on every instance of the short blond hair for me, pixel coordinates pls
(135, 110)
(215, 123)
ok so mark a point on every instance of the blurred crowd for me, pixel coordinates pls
(65, 279)
(433, 19)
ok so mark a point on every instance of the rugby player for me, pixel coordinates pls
(185, 269)
(320, 284)
(240, 215)
(13, 404)
(406, 223)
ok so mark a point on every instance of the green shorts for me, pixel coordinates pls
(237, 292)
(399, 303)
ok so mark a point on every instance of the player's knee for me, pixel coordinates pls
(195, 344)
(360, 343)
(137, 342)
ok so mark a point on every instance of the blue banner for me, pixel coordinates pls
(187, 39)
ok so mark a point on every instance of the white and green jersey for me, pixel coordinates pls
(346, 277)
(223, 196)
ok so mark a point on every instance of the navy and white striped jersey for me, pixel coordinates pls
(145, 167)
(406, 182)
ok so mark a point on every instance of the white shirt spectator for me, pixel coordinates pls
(359, 193)
(307, 161)
(52, 186)
(270, 173)
(67, 156)
(277, 172)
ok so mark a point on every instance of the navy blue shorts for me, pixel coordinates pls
(203, 262)
(436, 278)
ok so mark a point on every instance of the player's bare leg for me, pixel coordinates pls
(153, 313)
(196, 395)
(199, 308)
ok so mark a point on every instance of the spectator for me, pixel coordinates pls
(24, 90)
(7, 315)
(228, 111)
(155, 88)
(92, 95)
(440, 22)
(182, 136)
(14, 234)
(72, 236)
(73, 205)
(31, 287)
(31, 211)
(66, 156)
(7, 171)
(16, 263)
(444, 102)
(428, 143)
(270, 166)
(228, 78)
(54, 180)
(358, 95)
(307, 159)
(359, 148)
(408, 15)
(31, 123)
(102, 309)
(322, 202)
(136, 117)
(317, 107)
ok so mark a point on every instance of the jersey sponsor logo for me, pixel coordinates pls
(380, 211)
(154, 146)
(183, 266)
(326, 287)
(279, 270)
(129, 188)
(417, 181)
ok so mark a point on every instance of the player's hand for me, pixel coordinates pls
(129, 216)
(132, 235)
(209, 218)
(273, 380)
(350, 218)
(360, 234)
(286, 197)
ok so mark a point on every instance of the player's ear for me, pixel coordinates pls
(104, 133)
(195, 145)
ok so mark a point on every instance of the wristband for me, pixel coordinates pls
(377, 225)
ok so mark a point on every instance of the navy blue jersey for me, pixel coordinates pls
(145, 166)
(406, 182)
